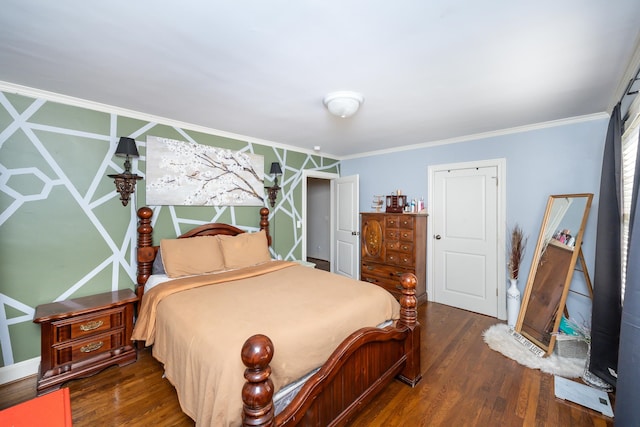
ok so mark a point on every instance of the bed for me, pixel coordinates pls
(248, 340)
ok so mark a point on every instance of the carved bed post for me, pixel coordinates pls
(409, 317)
(264, 223)
(145, 253)
(257, 392)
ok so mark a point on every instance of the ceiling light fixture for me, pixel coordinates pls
(343, 103)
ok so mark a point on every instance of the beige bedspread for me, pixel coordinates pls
(199, 330)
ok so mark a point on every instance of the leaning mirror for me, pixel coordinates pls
(554, 260)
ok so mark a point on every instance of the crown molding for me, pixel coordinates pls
(83, 103)
(111, 109)
(484, 135)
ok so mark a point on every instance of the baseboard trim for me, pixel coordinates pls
(19, 370)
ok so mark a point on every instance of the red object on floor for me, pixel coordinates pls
(50, 410)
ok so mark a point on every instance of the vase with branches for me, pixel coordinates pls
(516, 249)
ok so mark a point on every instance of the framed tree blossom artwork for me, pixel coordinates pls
(191, 174)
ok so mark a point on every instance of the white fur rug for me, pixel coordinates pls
(499, 339)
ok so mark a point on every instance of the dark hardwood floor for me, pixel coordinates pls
(321, 264)
(464, 384)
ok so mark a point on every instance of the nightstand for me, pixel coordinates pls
(82, 336)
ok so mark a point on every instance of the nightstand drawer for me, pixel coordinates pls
(74, 351)
(82, 326)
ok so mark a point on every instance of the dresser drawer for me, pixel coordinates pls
(392, 221)
(385, 277)
(391, 234)
(384, 271)
(405, 235)
(399, 246)
(81, 326)
(394, 288)
(398, 234)
(77, 350)
(399, 258)
(406, 221)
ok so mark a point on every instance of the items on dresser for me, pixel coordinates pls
(396, 204)
(82, 336)
(394, 244)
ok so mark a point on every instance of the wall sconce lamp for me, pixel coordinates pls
(126, 182)
(276, 171)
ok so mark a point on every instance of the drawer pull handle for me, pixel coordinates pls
(91, 347)
(371, 280)
(399, 273)
(90, 326)
(399, 287)
(370, 268)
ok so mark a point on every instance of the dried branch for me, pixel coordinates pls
(517, 246)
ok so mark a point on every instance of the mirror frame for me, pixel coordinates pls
(537, 256)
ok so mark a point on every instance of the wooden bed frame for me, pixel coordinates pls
(357, 370)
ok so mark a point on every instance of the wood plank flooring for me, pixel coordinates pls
(464, 384)
(321, 264)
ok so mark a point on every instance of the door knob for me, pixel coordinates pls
(438, 237)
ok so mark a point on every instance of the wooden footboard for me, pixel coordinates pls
(356, 371)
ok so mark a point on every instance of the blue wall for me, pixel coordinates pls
(561, 159)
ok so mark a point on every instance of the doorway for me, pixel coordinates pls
(342, 226)
(467, 224)
(318, 224)
(314, 223)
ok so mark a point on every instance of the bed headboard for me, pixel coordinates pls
(146, 253)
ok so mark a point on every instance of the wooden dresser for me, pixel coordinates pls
(391, 245)
(82, 336)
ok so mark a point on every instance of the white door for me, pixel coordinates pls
(347, 227)
(465, 238)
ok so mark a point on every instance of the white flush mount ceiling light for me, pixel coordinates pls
(343, 103)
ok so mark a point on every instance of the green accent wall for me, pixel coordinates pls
(63, 230)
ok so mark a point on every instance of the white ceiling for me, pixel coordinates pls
(429, 70)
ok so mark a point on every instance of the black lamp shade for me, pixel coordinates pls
(275, 169)
(127, 147)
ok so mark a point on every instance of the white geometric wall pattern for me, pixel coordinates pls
(64, 232)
